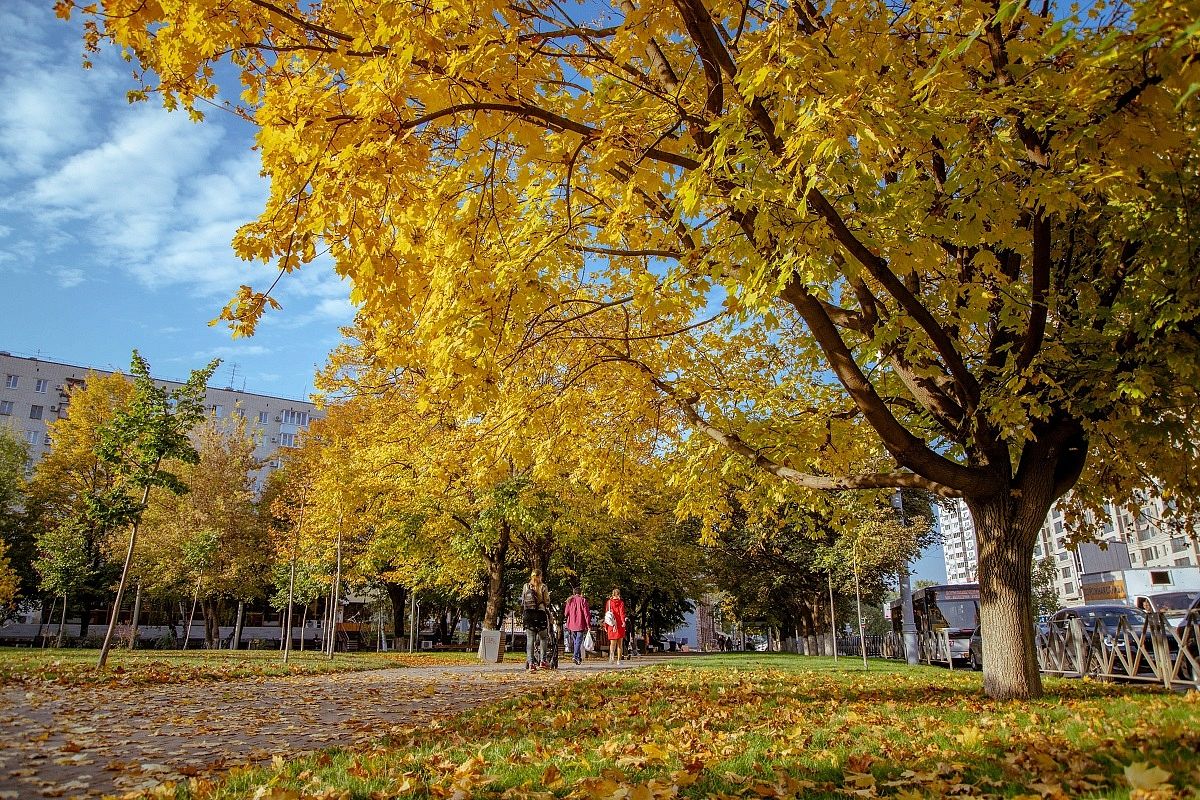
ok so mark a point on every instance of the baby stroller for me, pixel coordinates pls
(553, 640)
(540, 623)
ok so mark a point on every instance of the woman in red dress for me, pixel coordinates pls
(614, 625)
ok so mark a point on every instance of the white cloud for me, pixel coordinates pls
(232, 351)
(50, 100)
(69, 278)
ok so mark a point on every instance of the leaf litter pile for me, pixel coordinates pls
(787, 727)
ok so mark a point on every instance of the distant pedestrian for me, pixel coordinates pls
(535, 605)
(579, 619)
(614, 625)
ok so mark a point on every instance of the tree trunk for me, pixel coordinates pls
(236, 642)
(212, 627)
(133, 532)
(399, 597)
(85, 618)
(137, 612)
(303, 622)
(287, 626)
(62, 622)
(494, 609)
(1007, 529)
(187, 629)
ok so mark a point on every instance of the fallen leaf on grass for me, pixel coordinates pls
(1143, 776)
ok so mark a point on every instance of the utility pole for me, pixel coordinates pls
(909, 628)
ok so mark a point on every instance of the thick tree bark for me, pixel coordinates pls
(1006, 598)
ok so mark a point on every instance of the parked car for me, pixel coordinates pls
(975, 643)
(1106, 618)
(975, 650)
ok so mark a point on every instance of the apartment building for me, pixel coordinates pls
(35, 392)
(1133, 537)
(958, 541)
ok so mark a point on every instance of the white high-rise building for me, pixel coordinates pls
(1140, 539)
(958, 541)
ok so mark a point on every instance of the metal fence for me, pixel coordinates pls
(1160, 652)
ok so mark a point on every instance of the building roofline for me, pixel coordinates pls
(162, 380)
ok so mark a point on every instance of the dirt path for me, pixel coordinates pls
(91, 742)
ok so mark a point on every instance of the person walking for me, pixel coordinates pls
(535, 605)
(578, 620)
(614, 625)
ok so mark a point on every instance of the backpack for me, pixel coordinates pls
(529, 598)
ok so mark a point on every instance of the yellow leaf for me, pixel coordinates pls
(970, 737)
(1143, 776)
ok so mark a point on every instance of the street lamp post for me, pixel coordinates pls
(909, 627)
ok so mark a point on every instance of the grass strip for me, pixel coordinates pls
(761, 727)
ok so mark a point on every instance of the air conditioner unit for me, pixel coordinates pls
(53, 409)
(274, 440)
(279, 418)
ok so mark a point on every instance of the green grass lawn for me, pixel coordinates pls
(769, 726)
(76, 667)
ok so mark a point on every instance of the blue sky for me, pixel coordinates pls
(116, 219)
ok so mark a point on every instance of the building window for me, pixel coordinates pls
(6, 407)
(218, 410)
(11, 382)
(262, 418)
(41, 385)
(32, 437)
(1069, 588)
(1179, 545)
(1183, 562)
(1158, 578)
(295, 417)
(35, 412)
(1066, 572)
(1063, 555)
(287, 439)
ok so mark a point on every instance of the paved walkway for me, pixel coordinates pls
(90, 742)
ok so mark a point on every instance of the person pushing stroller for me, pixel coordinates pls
(535, 617)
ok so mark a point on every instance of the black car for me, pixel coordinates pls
(1120, 626)
(1107, 617)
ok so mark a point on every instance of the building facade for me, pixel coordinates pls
(958, 541)
(1133, 537)
(35, 393)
